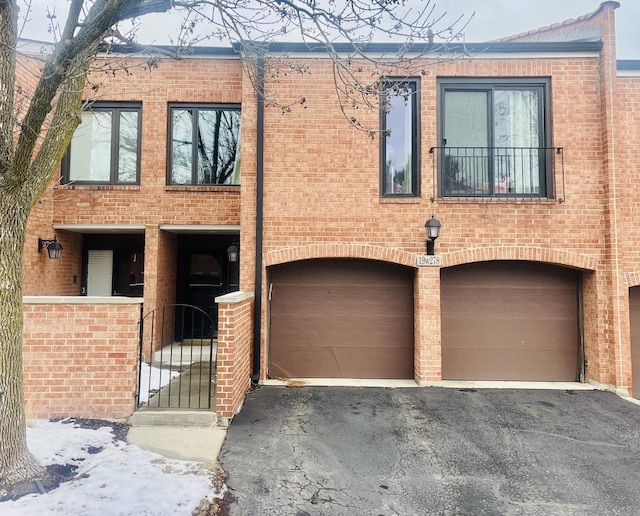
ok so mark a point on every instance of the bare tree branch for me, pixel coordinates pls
(37, 122)
(344, 33)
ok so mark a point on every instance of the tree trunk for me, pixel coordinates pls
(16, 462)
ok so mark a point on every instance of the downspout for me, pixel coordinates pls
(257, 312)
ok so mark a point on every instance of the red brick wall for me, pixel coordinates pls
(322, 191)
(322, 176)
(80, 358)
(322, 184)
(627, 138)
(235, 337)
(151, 203)
(42, 275)
(627, 135)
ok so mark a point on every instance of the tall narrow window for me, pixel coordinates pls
(105, 148)
(494, 138)
(204, 145)
(399, 140)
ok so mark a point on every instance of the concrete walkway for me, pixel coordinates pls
(175, 424)
(200, 444)
(189, 390)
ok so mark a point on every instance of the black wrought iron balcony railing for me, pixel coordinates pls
(510, 173)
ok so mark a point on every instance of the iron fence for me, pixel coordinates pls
(509, 173)
(176, 373)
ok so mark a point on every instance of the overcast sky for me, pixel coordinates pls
(492, 19)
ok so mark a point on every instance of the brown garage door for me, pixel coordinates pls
(335, 318)
(634, 315)
(509, 321)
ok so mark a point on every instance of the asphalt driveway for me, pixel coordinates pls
(413, 451)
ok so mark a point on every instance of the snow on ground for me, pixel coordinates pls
(153, 379)
(113, 478)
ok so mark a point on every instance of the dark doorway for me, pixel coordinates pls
(204, 273)
(113, 265)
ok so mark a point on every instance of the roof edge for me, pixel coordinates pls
(469, 48)
(393, 49)
(566, 23)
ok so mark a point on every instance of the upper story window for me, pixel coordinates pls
(495, 138)
(105, 148)
(399, 138)
(204, 145)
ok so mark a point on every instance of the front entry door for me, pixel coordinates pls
(205, 282)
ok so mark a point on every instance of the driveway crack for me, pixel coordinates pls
(573, 439)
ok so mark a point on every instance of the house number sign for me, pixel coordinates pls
(425, 260)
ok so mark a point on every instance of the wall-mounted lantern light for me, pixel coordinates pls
(232, 252)
(433, 232)
(53, 247)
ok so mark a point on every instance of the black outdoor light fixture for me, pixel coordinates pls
(232, 251)
(433, 232)
(53, 247)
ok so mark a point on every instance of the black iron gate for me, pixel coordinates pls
(176, 374)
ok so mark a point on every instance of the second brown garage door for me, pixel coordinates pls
(634, 315)
(510, 321)
(341, 318)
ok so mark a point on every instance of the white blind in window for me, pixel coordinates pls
(99, 273)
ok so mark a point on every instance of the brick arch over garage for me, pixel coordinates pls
(354, 250)
(522, 253)
(632, 278)
(400, 257)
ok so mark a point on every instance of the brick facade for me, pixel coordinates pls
(322, 193)
(233, 369)
(80, 357)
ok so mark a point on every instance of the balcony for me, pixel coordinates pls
(502, 173)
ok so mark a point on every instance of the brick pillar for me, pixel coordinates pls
(235, 336)
(428, 356)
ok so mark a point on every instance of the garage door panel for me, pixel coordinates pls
(336, 272)
(477, 340)
(487, 334)
(343, 333)
(512, 275)
(495, 312)
(341, 318)
(505, 364)
(521, 302)
(337, 301)
(332, 362)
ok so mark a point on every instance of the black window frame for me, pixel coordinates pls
(491, 84)
(115, 108)
(398, 83)
(197, 107)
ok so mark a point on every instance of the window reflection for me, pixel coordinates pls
(105, 147)
(205, 146)
(399, 138)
